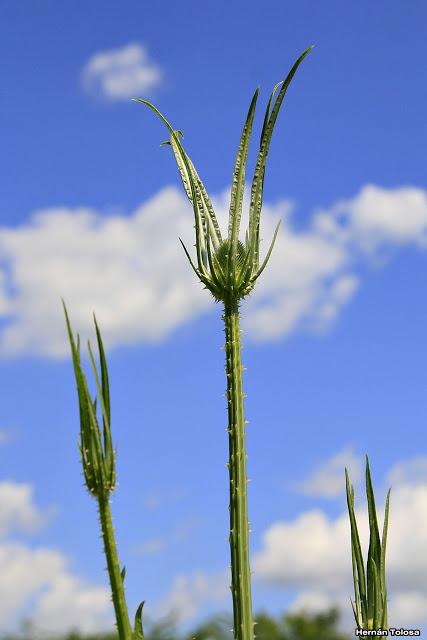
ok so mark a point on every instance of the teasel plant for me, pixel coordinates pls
(98, 458)
(370, 590)
(229, 269)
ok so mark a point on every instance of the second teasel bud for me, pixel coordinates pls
(96, 451)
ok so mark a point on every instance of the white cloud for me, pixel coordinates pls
(409, 608)
(378, 216)
(61, 601)
(69, 602)
(41, 578)
(121, 74)
(410, 472)
(17, 510)
(312, 554)
(189, 593)
(132, 271)
(328, 480)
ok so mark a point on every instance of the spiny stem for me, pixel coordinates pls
(239, 528)
(117, 589)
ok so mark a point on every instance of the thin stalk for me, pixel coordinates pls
(239, 528)
(116, 580)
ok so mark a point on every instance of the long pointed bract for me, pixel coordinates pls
(258, 179)
(238, 183)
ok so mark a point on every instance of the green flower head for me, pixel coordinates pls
(228, 267)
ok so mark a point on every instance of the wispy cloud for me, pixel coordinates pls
(311, 553)
(120, 74)
(189, 593)
(409, 472)
(180, 533)
(132, 271)
(327, 481)
(154, 499)
(6, 436)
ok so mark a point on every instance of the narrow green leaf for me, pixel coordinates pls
(238, 182)
(107, 434)
(95, 448)
(89, 431)
(258, 179)
(354, 613)
(193, 188)
(139, 632)
(383, 553)
(245, 270)
(374, 551)
(204, 203)
(208, 215)
(193, 183)
(106, 421)
(355, 542)
(267, 257)
(376, 596)
(384, 615)
(216, 271)
(356, 587)
(195, 269)
(104, 372)
(123, 573)
(267, 111)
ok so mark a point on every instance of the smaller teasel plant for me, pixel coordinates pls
(370, 605)
(98, 459)
(229, 269)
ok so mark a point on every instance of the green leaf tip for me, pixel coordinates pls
(370, 610)
(97, 454)
(234, 278)
(138, 628)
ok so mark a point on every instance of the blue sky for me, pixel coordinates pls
(91, 209)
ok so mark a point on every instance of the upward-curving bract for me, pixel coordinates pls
(235, 277)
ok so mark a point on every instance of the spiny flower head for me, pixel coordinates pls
(228, 267)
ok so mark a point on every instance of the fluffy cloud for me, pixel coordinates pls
(312, 552)
(121, 74)
(17, 509)
(132, 271)
(42, 576)
(178, 535)
(62, 600)
(378, 216)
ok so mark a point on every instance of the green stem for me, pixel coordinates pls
(239, 526)
(117, 589)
